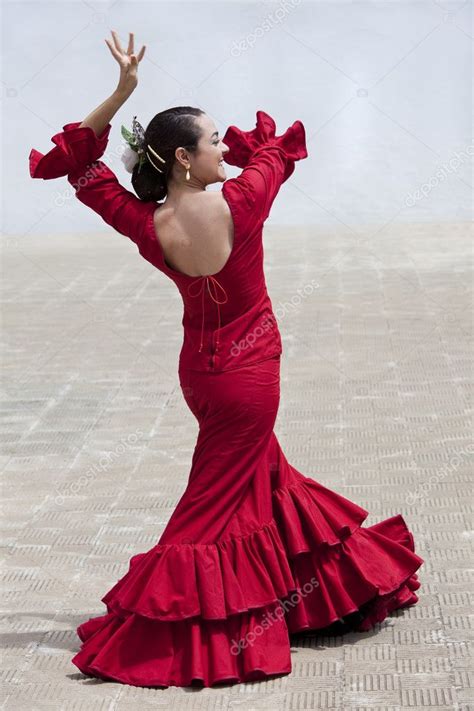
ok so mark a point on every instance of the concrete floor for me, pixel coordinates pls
(97, 443)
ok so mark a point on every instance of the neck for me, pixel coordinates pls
(180, 189)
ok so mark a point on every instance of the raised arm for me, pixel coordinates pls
(128, 80)
(79, 147)
(267, 161)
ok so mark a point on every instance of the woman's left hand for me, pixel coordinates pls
(128, 62)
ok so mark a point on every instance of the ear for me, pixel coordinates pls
(182, 156)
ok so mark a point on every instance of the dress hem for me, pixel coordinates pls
(353, 577)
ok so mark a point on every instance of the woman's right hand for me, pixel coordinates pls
(128, 62)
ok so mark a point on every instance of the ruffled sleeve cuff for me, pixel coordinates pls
(75, 148)
(243, 144)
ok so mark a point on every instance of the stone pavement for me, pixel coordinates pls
(97, 443)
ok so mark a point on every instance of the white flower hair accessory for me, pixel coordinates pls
(129, 159)
(134, 152)
(137, 149)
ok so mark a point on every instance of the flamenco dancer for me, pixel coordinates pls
(254, 551)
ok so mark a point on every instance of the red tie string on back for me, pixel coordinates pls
(209, 280)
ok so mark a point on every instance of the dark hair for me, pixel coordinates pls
(166, 131)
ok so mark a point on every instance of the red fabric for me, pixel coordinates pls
(254, 550)
(228, 318)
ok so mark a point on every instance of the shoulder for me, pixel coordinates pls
(203, 211)
(216, 204)
(215, 198)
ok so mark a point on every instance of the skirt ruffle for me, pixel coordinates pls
(223, 612)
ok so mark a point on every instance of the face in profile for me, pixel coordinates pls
(207, 163)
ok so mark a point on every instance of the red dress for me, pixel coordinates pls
(254, 550)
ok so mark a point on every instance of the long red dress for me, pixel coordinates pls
(254, 550)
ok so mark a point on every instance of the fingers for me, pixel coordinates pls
(117, 51)
(116, 41)
(116, 54)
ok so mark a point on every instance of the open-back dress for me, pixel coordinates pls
(254, 550)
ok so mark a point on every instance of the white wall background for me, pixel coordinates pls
(383, 88)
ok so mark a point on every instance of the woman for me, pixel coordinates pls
(255, 550)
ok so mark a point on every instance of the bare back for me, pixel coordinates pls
(197, 236)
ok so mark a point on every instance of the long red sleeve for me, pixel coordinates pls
(267, 161)
(77, 155)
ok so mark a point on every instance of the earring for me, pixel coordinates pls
(187, 174)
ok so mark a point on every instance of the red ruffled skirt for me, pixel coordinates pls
(253, 552)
